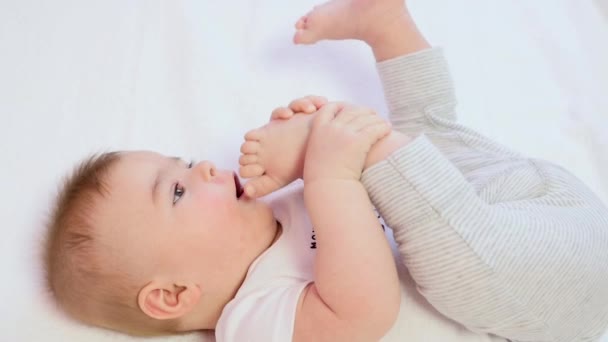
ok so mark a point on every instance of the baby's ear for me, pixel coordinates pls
(164, 301)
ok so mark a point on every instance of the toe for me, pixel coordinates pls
(261, 186)
(318, 101)
(250, 147)
(304, 36)
(300, 24)
(249, 171)
(254, 134)
(247, 159)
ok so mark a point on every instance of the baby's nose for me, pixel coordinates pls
(207, 170)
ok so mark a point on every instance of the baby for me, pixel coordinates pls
(149, 245)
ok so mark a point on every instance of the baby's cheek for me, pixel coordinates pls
(214, 203)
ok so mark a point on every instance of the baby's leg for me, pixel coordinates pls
(385, 25)
(388, 28)
(480, 226)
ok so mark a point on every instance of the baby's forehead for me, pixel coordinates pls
(149, 158)
(134, 160)
(134, 170)
(142, 156)
(129, 184)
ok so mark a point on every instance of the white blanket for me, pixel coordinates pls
(188, 78)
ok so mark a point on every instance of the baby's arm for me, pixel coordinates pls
(355, 295)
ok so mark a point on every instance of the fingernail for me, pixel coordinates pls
(250, 191)
(310, 108)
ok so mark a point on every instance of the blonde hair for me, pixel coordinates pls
(78, 279)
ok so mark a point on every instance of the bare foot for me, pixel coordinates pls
(349, 19)
(273, 155)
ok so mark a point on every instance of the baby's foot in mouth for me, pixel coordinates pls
(273, 155)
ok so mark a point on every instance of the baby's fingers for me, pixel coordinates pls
(281, 113)
(327, 114)
(376, 131)
(308, 104)
(360, 122)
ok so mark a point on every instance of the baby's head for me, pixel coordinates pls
(150, 245)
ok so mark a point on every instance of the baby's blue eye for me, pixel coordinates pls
(178, 192)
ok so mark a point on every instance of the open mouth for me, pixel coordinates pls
(237, 185)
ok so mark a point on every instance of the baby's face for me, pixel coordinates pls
(166, 218)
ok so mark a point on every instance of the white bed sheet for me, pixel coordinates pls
(188, 78)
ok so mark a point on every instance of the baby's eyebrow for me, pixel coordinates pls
(160, 175)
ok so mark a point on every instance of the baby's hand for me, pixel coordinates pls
(340, 138)
(304, 105)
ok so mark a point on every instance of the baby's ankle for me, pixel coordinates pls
(387, 30)
(400, 38)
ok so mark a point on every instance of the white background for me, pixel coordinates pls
(188, 78)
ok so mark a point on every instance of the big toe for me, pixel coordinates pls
(305, 36)
(301, 23)
(251, 170)
(310, 27)
(261, 186)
